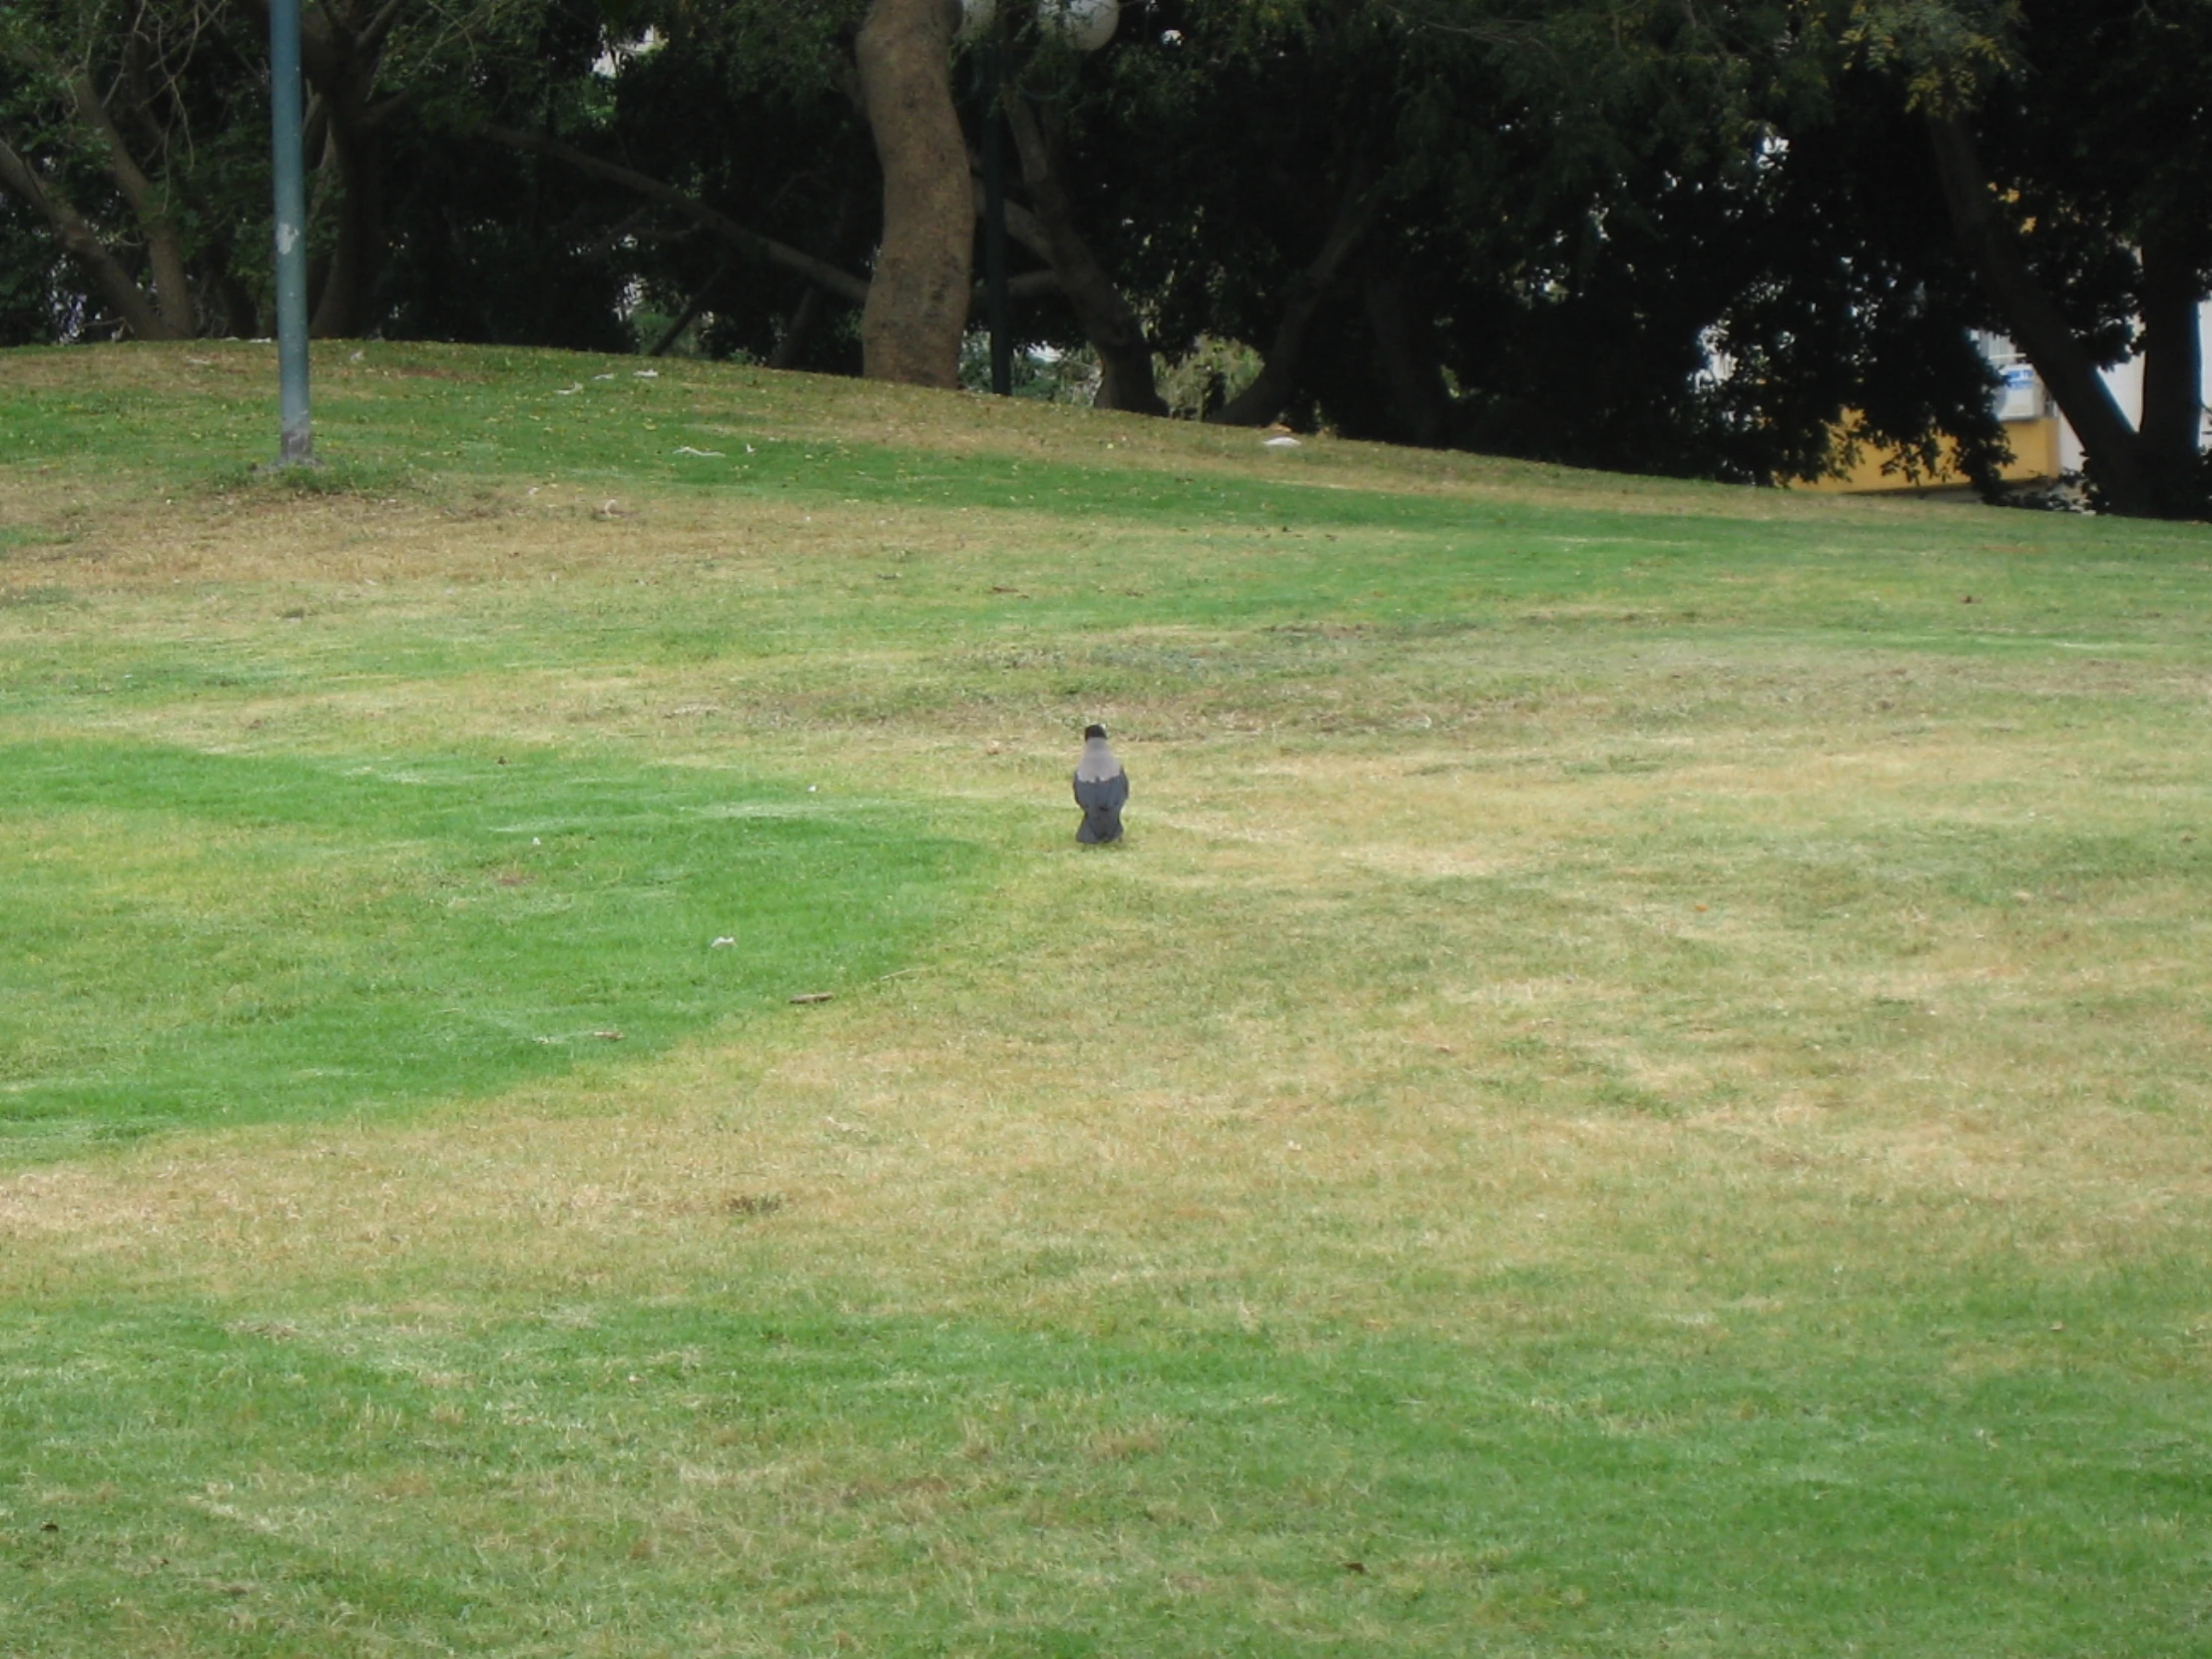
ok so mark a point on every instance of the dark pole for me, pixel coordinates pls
(297, 442)
(994, 227)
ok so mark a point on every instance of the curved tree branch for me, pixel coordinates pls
(83, 245)
(1263, 399)
(1109, 321)
(1022, 225)
(2033, 318)
(165, 247)
(820, 273)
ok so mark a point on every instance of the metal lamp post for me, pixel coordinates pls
(296, 443)
(994, 223)
(1085, 24)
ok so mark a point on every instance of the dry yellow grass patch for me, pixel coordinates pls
(1430, 951)
(1176, 1073)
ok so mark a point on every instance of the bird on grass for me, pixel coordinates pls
(1101, 789)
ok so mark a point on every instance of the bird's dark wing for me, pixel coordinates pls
(1106, 794)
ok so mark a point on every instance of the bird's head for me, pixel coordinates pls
(1098, 731)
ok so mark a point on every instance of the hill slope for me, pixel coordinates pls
(1638, 1085)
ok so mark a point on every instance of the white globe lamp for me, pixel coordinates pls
(1085, 24)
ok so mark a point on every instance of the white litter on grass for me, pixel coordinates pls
(609, 375)
(749, 449)
(722, 944)
(566, 391)
(687, 449)
(645, 373)
(1279, 443)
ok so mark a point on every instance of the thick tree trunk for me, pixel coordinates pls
(2033, 321)
(341, 47)
(1404, 342)
(1106, 317)
(83, 244)
(798, 330)
(691, 307)
(917, 303)
(226, 299)
(1268, 395)
(2173, 370)
(354, 149)
(242, 318)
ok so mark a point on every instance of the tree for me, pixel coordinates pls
(2072, 140)
(38, 301)
(1621, 233)
(1107, 319)
(1528, 228)
(917, 303)
(138, 136)
(398, 86)
(114, 132)
(752, 198)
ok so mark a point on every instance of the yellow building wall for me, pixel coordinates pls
(2034, 460)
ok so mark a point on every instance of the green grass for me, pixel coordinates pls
(196, 936)
(737, 1483)
(1639, 1087)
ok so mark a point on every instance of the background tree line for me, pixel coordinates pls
(1677, 235)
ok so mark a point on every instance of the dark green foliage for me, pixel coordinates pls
(1852, 299)
(182, 87)
(497, 247)
(2103, 135)
(33, 278)
(1574, 220)
(2092, 125)
(741, 108)
(1643, 235)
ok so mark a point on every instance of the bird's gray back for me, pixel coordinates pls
(1097, 763)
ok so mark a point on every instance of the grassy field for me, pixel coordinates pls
(1639, 1085)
